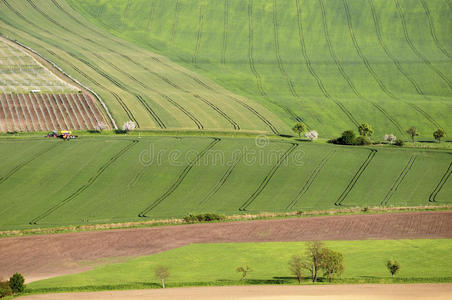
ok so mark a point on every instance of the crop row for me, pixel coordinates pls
(43, 112)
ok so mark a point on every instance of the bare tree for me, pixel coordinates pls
(162, 273)
(313, 261)
(296, 267)
(244, 270)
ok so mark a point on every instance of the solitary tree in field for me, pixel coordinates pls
(296, 267)
(299, 128)
(439, 134)
(244, 270)
(412, 131)
(393, 267)
(312, 135)
(162, 273)
(390, 138)
(365, 129)
(100, 126)
(129, 125)
(332, 263)
(16, 283)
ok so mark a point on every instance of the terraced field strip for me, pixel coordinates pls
(222, 180)
(310, 180)
(356, 177)
(398, 180)
(441, 183)
(179, 179)
(90, 181)
(26, 162)
(268, 177)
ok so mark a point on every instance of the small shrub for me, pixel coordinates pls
(365, 209)
(120, 131)
(5, 289)
(16, 282)
(399, 142)
(206, 217)
(363, 140)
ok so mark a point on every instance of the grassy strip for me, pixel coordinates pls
(214, 265)
(240, 217)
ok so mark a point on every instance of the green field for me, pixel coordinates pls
(252, 65)
(47, 182)
(215, 264)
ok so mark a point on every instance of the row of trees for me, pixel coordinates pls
(365, 130)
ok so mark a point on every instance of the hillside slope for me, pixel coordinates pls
(135, 83)
(332, 63)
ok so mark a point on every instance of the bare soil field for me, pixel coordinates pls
(43, 256)
(337, 292)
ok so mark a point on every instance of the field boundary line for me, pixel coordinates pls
(268, 177)
(441, 183)
(90, 181)
(23, 164)
(399, 180)
(414, 49)
(312, 177)
(222, 181)
(179, 179)
(355, 178)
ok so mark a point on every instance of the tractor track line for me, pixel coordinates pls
(312, 177)
(23, 164)
(176, 20)
(225, 32)
(124, 13)
(399, 180)
(441, 183)
(219, 111)
(125, 108)
(355, 178)
(18, 107)
(53, 53)
(118, 83)
(339, 66)
(151, 15)
(251, 49)
(414, 49)
(277, 50)
(53, 118)
(151, 112)
(432, 29)
(221, 182)
(199, 34)
(42, 125)
(90, 181)
(11, 107)
(28, 111)
(268, 177)
(15, 127)
(179, 180)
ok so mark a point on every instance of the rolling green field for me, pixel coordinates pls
(252, 65)
(215, 264)
(47, 182)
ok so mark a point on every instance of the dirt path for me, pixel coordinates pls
(43, 256)
(336, 292)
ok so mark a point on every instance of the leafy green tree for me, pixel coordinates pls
(393, 267)
(16, 282)
(332, 263)
(348, 137)
(244, 270)
(299, 128)
(162, 273)
(365, 129)
(296, 267)
(412, 131)
(439, 134)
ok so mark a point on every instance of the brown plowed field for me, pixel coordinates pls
(43, 256)
(35, 112)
